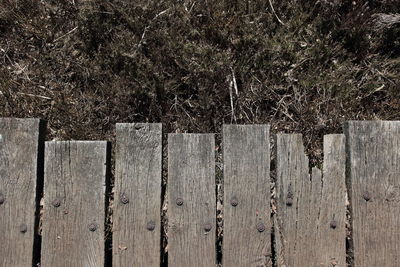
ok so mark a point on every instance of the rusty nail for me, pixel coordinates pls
(179, 201)
(92, 227)
(260, 227)
(234, 201)
(207, 227)
(333, 224)
(23, 228)
(2, 198)
(151, 225)
(367, 196)
(56, 203)
(124, 199)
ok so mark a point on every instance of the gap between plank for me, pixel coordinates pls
(37, 241)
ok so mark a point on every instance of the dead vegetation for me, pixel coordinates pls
(303, 66)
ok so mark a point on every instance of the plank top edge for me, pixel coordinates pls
(131, 124)
(246, 126)
(334, 135)
(372, 122)
(191, 134)
(78, 142)
(289, 134)
(20, 119)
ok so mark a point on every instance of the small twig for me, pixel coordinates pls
(32, 95)
(234, 81)
(147, 28)
(273, 11)
(233, 117)
(62, 36)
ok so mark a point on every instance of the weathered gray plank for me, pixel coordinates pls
(311, 210)
(247, 224)
(137, 202)
(191, 200)
(74, 204)
(19, 146)
(374, 179)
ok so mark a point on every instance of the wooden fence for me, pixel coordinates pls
(59, 205)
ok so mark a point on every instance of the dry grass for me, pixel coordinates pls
(303, 66)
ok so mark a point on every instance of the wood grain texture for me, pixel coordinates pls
(374, 179)
(311, 209)
(19, 145)
(247, 184)
(138, 185)
(191, 183)
(74, 204)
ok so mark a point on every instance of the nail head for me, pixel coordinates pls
(124, 199)
(23, 228)
(260, 227)
(367, 196)
(92, 227)
(234, 201)
(151, 225)
(56, 203)
(289, 197)
(333, 224)
(2, 198)
(207, 227)
(179, 201)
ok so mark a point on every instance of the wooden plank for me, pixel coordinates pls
(247, 224)
(19, 151)
(137, 202)
(374, 180)
(191, 200)
(74, 204)
(331, 245)
(311, 209)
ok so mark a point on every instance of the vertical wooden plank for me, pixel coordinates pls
(74, 204)
(311, 209)
(191, 200)
(331, 206)
(247, 224)
(19, 147)
(374, 180)
(137, 202)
